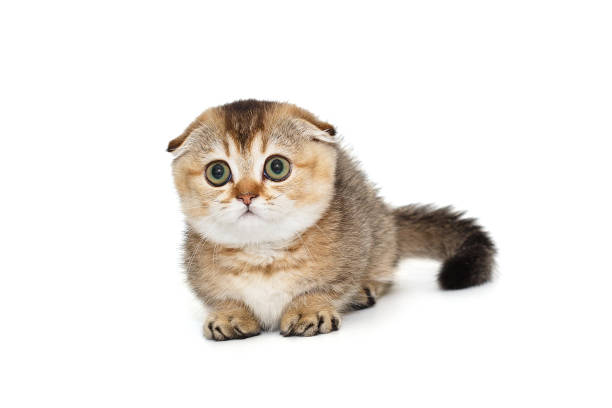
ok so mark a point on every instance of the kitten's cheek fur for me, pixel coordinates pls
(267, 227)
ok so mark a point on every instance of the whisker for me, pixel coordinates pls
(195, 253)
(305, 246)
(319, 228)
(214, 257)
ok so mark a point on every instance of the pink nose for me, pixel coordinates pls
(246, 198)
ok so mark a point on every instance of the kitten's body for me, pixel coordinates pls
(320, 243)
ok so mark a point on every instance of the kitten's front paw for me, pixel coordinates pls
(309, 322)
(228, 326)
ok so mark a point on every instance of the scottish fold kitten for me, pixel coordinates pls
(284, 230)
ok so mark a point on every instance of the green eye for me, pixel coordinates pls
(277, 168)
(218, 173)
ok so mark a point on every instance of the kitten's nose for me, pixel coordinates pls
(246, 198)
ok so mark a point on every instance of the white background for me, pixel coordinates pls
(500, 108)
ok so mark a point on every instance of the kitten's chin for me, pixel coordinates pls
(252, 229)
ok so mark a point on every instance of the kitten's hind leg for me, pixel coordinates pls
(369, 293)
(377, 281)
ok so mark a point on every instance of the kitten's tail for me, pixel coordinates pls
(465, 249)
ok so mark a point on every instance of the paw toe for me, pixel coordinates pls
(245, 328)
(288, 323)
(328, 322)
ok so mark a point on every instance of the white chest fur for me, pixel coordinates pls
(267, 296)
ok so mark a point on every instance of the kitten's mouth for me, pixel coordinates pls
(248, 214)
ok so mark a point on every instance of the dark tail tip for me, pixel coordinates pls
(472, 264)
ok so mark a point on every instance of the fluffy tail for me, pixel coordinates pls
(465, 249)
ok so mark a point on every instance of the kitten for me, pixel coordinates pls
(284, 231)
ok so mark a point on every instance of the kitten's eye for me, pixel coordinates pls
(277, 168)
(218, 173)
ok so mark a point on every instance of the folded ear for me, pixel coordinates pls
(317, 129)
(177, 142)
(325, 127)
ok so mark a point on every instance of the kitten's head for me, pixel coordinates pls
(254, 172)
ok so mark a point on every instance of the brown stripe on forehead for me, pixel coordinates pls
(226, 147)
(243, 119)
(264, 142)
